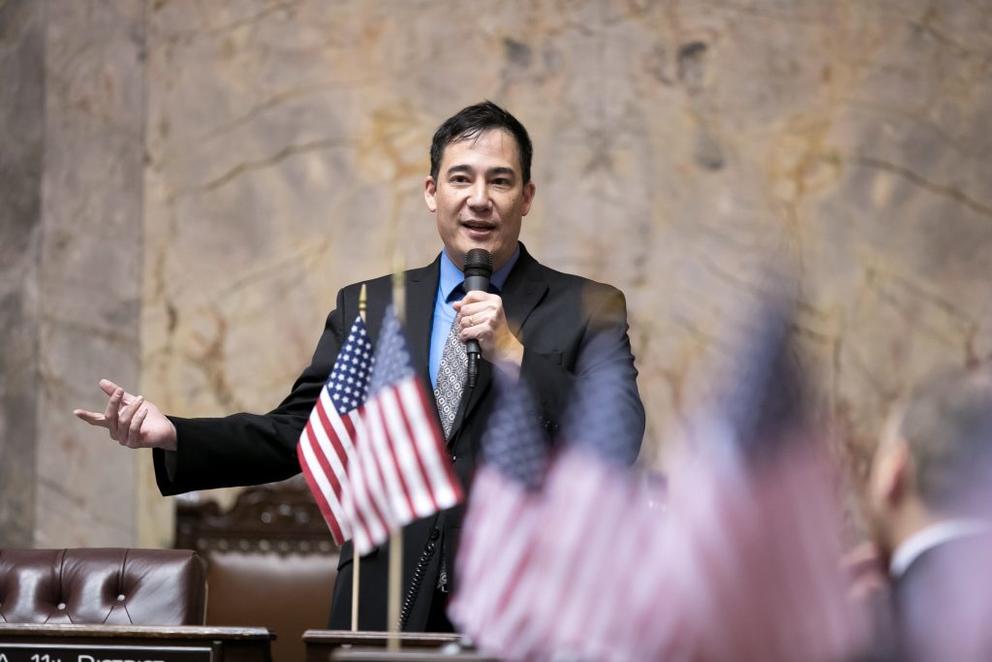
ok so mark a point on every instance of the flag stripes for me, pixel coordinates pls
(328, 438)
(399, 469)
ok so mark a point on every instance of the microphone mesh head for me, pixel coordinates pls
(479, 261)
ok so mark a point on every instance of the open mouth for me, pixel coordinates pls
(479, 228)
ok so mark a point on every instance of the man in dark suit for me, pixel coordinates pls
(544, 327)
(929, 511)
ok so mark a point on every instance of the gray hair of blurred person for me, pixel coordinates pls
(947, 424)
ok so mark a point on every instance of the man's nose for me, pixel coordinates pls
(479, 197)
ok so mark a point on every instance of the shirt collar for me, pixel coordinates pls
(925, 539)
(452, 277)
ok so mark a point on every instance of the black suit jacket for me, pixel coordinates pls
(571, 328)
(941, 604)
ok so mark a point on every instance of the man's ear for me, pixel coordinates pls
(897, 472)
(430, 193)
(529, 191)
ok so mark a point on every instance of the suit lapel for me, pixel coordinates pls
(421, 288)
(522, 291)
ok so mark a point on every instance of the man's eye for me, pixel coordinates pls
(502, 181)
(459, 179)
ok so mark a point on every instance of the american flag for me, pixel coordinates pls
(755, 553)
(742, 563)
(545, 547)
(399, 470)
(328, 440)
(597, 532)
(754, 562)
(494, 567)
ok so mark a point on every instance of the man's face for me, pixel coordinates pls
(479, 196)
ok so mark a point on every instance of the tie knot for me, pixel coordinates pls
(458, 292)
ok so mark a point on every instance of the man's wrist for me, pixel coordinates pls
(171, 441)
(511, 354)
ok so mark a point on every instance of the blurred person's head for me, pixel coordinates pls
(933, 457)
(479, 185)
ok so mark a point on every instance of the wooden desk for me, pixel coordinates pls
(423, 655)
(97, 643)
(324, 645)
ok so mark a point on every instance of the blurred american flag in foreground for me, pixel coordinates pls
(496, 558)
(539, 553)
(743, 564)
(755, 532)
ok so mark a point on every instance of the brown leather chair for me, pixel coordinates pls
(271, 561)
(102, 586)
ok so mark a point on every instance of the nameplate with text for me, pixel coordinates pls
(33, 652)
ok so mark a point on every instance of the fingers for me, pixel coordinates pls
(481, 317)
(91, 417)
(109, 388)
(134, 430)
(477, 297)
(473, 325)
(865, 555)
(125, 418)
(474, 296)
(480, 313)
(112, 412)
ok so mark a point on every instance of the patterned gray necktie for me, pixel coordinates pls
(451, 378)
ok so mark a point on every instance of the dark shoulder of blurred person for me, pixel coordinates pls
(930, 510)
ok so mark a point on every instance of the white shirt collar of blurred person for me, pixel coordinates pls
(932, 536)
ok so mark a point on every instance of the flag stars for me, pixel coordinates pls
(348, 381)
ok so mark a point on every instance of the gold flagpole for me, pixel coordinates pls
(396, 535)
(395, 580)
(356, 557)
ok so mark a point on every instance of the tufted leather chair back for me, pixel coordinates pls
(272, 561)
(102, 586)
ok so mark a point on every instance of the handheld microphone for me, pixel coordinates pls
(478, 270)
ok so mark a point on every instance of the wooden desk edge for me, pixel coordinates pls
(350, 637)
(197, 632)
(407, 655)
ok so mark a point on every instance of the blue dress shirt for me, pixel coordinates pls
(449, 290)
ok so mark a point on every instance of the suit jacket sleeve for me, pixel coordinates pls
(249, 449)
(602, 352)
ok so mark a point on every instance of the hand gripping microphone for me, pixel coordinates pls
(478, 269)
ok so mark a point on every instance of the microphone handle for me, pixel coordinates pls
(474, 282)
(472, 346)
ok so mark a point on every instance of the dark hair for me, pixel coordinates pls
(948, 426)
(472, 121)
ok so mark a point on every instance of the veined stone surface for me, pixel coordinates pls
(22, 101)
(90, 267)
(678, 147)
(681, 148)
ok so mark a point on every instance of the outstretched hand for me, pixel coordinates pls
(131, 420)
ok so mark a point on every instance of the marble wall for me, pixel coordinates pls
(677, 144)
(680, 148)
(91, 257)
(22, 101)
(73, 74)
